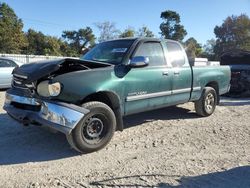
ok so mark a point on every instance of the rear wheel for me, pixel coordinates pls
(95, 130)
(206, 105)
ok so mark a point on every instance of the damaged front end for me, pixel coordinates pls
(60, 116)
(30, 100)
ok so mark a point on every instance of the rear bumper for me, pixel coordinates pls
(60, 116)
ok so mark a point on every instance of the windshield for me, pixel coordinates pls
(109, 52)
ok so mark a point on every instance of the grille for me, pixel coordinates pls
(19, 81)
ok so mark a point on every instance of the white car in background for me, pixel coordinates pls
(6, 68)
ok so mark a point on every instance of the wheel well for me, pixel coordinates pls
(216, 88)
(110, 99)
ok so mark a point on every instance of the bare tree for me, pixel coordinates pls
(107, 30)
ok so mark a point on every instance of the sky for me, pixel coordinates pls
(54, 16)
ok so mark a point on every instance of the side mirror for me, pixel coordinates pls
(139, 61)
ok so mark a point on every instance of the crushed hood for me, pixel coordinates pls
(34, 71)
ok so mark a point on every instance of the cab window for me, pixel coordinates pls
(5, 63)
(13, 64)
(152, 50)
(175, 54)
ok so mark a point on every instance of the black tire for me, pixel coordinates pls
(206, 105)
(95, 130)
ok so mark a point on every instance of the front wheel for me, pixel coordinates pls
(205, 106)
(95, 130)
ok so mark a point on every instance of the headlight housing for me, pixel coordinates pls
(54, 89)
(47, 89)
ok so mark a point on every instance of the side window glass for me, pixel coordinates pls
(4, 63)
(1, 63)
(175, 54)
(152, 50)
(13, 64)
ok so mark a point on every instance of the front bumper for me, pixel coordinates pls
(56, 115)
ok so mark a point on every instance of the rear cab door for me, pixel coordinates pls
(182, 72)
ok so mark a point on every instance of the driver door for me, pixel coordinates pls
(149, 87)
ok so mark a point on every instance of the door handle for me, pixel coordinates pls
(176, 73)
(165, 73)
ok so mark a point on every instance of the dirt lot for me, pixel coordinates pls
(171, 147)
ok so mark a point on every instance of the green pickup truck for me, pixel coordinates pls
(87, 99)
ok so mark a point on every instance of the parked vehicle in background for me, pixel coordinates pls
(86, 99)
(239, 62)
(6, 68)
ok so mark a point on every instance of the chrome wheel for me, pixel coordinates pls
(209, 102)
(206, 105)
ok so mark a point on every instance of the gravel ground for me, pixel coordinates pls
(171, 147)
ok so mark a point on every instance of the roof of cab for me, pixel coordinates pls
(144, 39)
